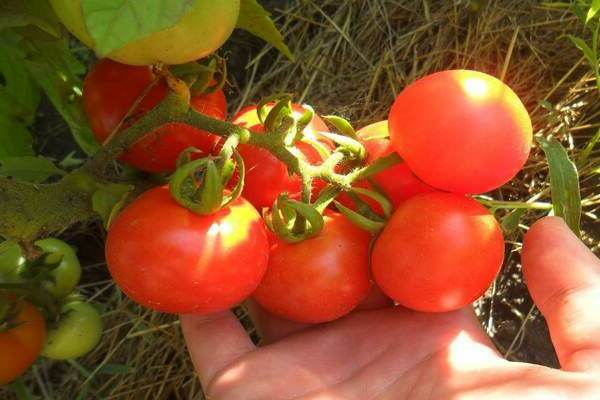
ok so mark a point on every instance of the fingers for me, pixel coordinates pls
(214, 342)
(375, 300)
(563, 277)
(270, 327)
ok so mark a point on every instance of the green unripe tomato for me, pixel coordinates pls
(11, 260)
(76, 334)
(67, 274)
(202, 30)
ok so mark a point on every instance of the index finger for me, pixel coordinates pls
(214, 342)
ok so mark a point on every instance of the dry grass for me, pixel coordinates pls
(352, 58)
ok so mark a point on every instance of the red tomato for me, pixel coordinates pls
(461, 131)
(110, 90)
(21, 345)
(167, 258)
(398, 182)
(438, 252)
(267, 176)
(319, 279)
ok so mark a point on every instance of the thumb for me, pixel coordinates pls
(563, 277)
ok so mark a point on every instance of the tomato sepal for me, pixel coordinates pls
(360, 220)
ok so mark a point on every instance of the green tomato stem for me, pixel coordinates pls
(515, 204)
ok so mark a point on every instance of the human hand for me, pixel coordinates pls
(395, 353)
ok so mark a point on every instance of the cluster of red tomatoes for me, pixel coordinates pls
(458, 132)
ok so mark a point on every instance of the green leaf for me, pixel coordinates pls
(109, 199)
(594, 8)
(15, 139)
(585, 153)
(21, 13)
(510, 222)
(256, 20)
(56, 70)
(580, 10)
(21, 390)
(115, 23)
(29, 169)
(564, 183)
(585, 49)
(19, 95)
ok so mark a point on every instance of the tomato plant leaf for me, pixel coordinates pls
(19, 94)
(56, 70)
(15, 139)
(587, 151)
(511, 221)
(38, 13)
(256, 20)
(590, 53)
(29, 169)
(583, 46)
(593, 10)
(564, 183)
(115, 23)
(109, 199)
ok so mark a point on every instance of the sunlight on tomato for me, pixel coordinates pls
(168, 258)
(461, 131)
(438, 252)
(476, 88)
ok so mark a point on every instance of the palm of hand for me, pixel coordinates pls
(394, 353)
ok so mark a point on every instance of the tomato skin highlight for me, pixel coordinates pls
(438, 252)
(398, 182)
(461, 131)
(110, 89)
(213, 21)
(167, 258)
(319, 279)
(21, 345)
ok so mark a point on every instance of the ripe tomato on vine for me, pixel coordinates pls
(115, 93)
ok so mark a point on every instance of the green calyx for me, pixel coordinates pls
(294, 221)
(199, 185)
